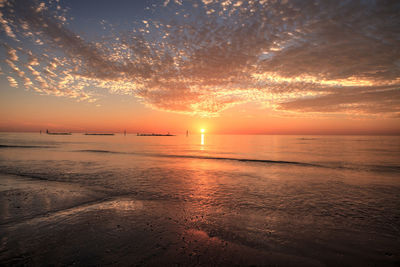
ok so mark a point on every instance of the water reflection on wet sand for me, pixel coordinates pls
(125, 231)
(88, 227)
(163, 202)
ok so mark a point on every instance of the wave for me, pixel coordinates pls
(101, 151)
(349, 166)
(384, 168)
(203, 157)
(369, 167)
(23, 146)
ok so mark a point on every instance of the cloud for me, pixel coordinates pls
(12, 54)
(352, 100)
(304, 56)
(12, 81)
(6, 27)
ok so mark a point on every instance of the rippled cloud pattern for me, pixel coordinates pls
(202, 57)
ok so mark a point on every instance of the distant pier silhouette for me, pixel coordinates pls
(99, 134)
(154, 134)
(57, 133)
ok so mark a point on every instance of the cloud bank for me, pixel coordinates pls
(300, 56)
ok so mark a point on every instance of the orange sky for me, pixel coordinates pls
(231, 67)
(31, 112)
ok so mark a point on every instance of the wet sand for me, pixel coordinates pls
(55, 223)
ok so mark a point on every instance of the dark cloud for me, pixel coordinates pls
(308, 56)
(354, 100)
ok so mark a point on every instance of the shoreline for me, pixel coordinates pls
(90, 221)
(79, 224)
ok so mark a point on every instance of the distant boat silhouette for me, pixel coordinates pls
(99, 134)
(47, 131)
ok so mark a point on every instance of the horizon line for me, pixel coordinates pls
(211, 133)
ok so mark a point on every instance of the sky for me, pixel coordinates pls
(228, 66)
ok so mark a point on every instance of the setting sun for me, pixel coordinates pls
(104, 108)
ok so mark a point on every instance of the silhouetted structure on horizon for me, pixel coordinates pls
(99, 134)
(47, 132)
(154, 134)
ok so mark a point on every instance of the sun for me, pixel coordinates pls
(202, 130)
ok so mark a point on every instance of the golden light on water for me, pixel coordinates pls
(202, 130)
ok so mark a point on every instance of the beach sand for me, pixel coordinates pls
(54, 223)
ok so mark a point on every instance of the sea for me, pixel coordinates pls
(199, 200)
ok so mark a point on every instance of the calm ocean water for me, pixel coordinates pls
(330, 199)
